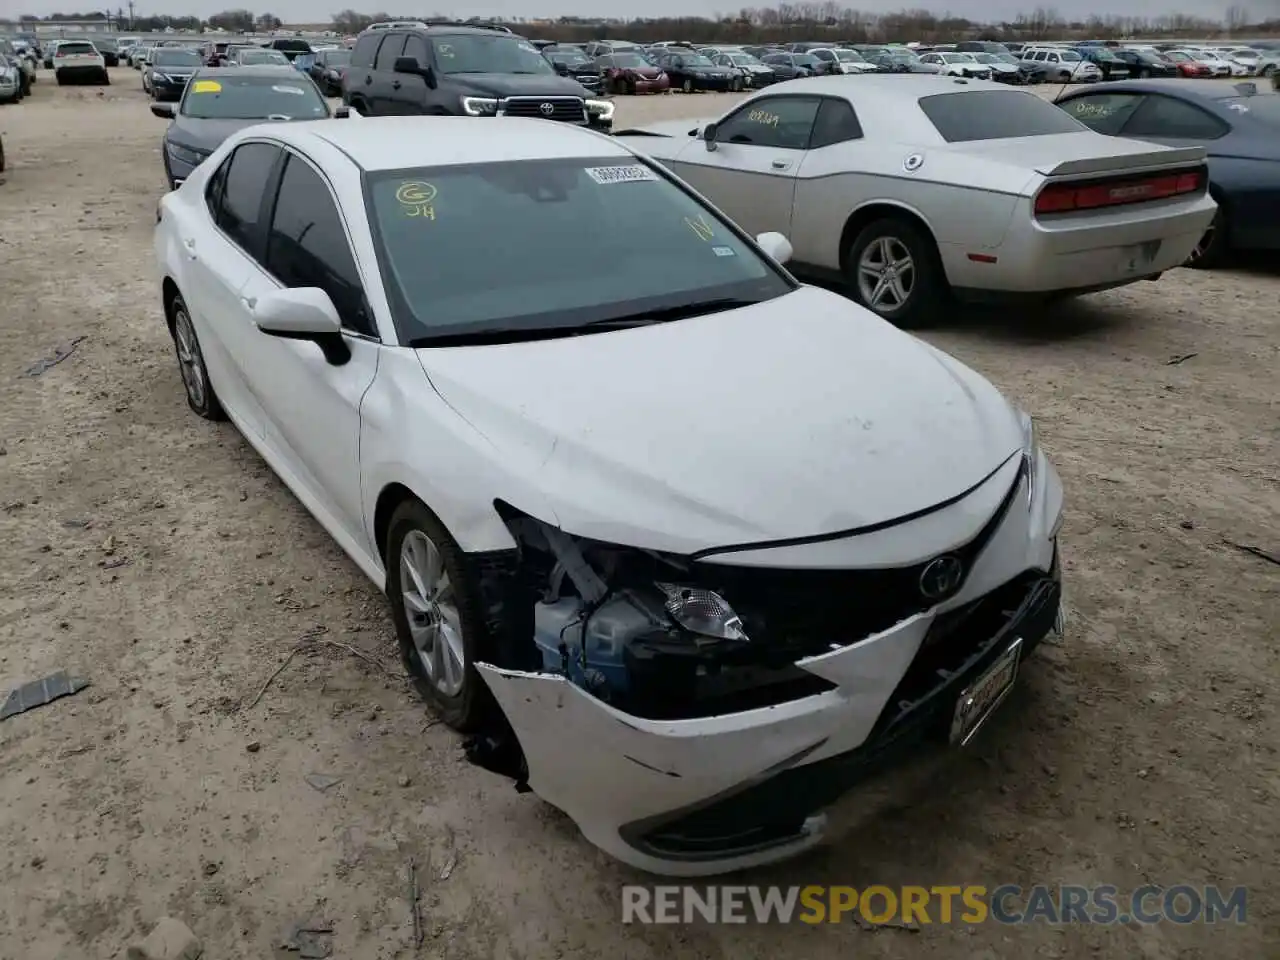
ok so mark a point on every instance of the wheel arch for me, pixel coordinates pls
(874, 210)
(169, 290)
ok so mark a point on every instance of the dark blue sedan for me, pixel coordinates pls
(1238, 123)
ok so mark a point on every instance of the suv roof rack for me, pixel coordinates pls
(477, 24)
(395, 24)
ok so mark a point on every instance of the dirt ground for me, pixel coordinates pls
(155, 555)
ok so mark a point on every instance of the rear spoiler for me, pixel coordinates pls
(1162, 159)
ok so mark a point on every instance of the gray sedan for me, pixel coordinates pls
(219, 101)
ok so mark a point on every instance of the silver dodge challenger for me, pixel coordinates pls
(912, 188)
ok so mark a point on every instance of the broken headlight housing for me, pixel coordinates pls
(703, 613)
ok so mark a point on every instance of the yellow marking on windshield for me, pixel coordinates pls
(701, 227)
(206, 86)
(417, 199)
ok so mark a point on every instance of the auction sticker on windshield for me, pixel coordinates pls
(206, 86)
(283, 89)
(633, 173)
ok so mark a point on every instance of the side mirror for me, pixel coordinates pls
(709, 135)
(561, 68)
(303, 313)
(164, 110)
(408, 65)
(775, 245)
(341, 113)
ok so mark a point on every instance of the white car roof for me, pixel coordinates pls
(392, 143)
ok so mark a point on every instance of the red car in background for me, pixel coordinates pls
(628, 72)
(1187, 65)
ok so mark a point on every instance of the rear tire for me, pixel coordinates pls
(201, 397)
(892, 268)
(1214, 247)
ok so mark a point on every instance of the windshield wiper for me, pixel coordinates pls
(642, 318)
(677, 312)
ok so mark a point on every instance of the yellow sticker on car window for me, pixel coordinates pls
(764, 117)
(701, 227)
(206, 86)
(417, 199)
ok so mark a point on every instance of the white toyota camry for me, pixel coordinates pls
(688, 548)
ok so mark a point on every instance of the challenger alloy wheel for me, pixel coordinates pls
(893, 269)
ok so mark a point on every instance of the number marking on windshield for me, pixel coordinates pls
(764, 117)
(633, 173)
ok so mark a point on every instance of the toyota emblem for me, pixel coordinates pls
(547, 109)
(941, 578)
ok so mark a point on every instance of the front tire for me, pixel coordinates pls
(437, 615)
(201, 397)
(893, 269)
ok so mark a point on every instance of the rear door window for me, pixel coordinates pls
(243, 185)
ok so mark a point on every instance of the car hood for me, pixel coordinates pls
(519, 84)
(802, 416)
(206, 135)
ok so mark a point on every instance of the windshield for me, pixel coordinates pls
(848, 56)
(253, 98)
(696, 60)
(569, 59)
(467, 53)
(259, 57)
(629, 60)
(1178, 56)
(1102, 53)
(106, 43)
(337, 58)
(743, 60)
(574, 241)
(806, 60)
(175, 58)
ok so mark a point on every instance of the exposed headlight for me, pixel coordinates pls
(1030, 453)
(702, 612)
(600, 109)
(479, 106)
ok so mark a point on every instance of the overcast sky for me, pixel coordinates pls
(299, 11)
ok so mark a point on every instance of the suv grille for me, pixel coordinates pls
(571, 109)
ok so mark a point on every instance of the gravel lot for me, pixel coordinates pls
(155, 554)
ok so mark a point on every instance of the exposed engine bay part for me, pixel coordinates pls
(654, 635)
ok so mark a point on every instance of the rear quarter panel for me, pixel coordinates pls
(1249, 189)
(965, 201)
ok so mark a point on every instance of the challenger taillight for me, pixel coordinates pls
(1065, 197)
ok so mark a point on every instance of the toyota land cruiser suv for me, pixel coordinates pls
(451, 70)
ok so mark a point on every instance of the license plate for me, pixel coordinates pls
(1139, 256)
(980, 698)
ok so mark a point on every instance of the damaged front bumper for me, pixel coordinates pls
(705, 795)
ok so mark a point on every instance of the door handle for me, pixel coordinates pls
(781, 164)
(368, 78)
(249, 302)
(189, 244)
(395, 85)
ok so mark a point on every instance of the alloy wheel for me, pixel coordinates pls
(431, 609)
(886, 274)
(190, 362)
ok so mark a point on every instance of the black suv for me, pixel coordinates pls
(451, 70)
